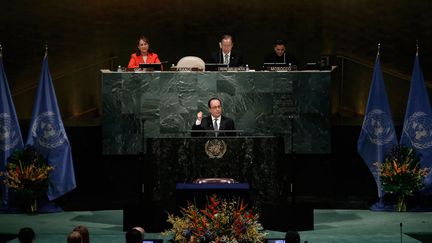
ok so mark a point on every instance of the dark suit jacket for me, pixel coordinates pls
(274, 58)
(236, 59)
(207, 124)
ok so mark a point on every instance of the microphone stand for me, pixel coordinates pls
(142, 161)
(291, 118)
(400, 225)
(220, 56)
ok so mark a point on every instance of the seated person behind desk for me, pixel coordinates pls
(216, 117)
(279, 54)
(226, 54)
(143, 54)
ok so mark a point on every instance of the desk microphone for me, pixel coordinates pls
(284, 58)
(220, 52)
(220, 56)
(400, 231)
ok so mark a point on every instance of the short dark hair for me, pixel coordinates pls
(226, 36)
(145, 39)
(84, 233)
(292, 237)
(26, 235)
(213, 98)
(278, 42)
(133, 236)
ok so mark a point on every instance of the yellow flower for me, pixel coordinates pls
(219, 221)
(400, 173)
(27, 170)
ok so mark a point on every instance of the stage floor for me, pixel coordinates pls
(330, 226)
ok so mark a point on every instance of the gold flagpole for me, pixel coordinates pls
(46, 49)
(379, 49)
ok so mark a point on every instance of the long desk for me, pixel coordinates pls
(292, 105)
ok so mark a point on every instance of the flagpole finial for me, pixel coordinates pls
(46, 49)
(379, 49)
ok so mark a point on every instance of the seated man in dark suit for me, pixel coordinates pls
(279, 54)
(216, 121)
(226, 54)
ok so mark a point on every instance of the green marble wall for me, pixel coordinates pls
(137, 106)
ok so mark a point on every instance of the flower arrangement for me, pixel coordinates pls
(27, 173)
(219, 221)
(400, 174)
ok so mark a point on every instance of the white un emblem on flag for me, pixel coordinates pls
(378, 128)
(419, 130)
(47, 130)
(9, 136)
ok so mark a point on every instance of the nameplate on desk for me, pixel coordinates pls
(186, 69)
(234, 69)
(150, 66)
(286, 69)
(269, 66)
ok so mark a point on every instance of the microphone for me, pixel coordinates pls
(400, 231)
(220, 53)
(284, 58)
(220, 56)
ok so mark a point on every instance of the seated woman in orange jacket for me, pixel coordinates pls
(143, 54)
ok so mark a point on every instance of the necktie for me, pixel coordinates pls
(215, 127)
(226, 59)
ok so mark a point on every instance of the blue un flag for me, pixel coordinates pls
(377, 136)
(48, 136)
(10, 133)
(417, 129)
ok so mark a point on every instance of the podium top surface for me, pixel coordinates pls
(194, 186)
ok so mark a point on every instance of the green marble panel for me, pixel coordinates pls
(164, 104)
(262, 83)
(206, 83)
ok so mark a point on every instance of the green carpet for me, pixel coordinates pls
(330, 226)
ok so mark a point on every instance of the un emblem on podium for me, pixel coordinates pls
(215, 148)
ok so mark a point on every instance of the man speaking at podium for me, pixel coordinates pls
(216, 121)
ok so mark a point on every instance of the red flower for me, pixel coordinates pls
(214, 201)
